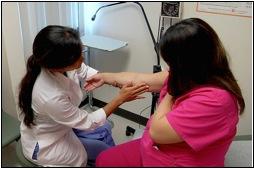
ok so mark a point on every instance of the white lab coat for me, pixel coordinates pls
(55, 101)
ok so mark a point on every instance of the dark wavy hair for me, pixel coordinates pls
(53, 47)
(196, 56)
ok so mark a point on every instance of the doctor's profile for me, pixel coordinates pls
(53, 127)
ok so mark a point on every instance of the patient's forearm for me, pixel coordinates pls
(155, 81)
(120, 78)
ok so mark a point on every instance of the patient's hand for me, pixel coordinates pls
(94, 82)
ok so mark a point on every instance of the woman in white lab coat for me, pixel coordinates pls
(49, 97)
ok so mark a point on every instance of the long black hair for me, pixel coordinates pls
(196, 56)
(53, 47)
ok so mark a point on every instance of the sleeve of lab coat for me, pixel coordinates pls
(85, 71)
(61, 110)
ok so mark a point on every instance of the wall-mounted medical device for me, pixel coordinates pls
(171, 9)
(171, 12)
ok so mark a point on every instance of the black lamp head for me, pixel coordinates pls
(93, 18)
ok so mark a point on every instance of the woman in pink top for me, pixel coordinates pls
(200, 101)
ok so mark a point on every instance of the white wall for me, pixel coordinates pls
(125, 22)
(8, 102)
(13, 56)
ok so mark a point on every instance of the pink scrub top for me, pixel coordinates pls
(206, 119)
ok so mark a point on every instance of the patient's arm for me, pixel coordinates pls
(154, 80)
(160, 130)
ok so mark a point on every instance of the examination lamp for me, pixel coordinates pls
(156, 68)
(94, 16)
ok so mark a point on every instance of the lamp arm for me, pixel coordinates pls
(151, 33)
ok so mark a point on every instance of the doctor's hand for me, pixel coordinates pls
(131, 92)
(94, 82)
(127, 93)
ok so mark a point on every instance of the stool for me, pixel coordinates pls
(23, 160)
